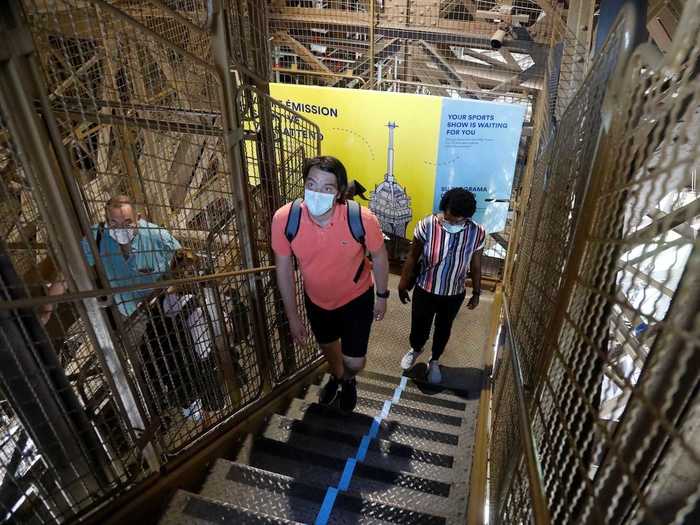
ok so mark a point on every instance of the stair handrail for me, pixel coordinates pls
(532, 462)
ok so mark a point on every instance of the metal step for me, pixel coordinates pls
(284, 497)
(388, 455)
(359, 422)
(421, 419)
(412, 395)
(318, 469)
(426, 414)
(418, 385)
(186, 508)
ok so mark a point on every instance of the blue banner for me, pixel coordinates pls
(477, 150)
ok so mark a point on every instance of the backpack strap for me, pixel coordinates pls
(357, 229)
(293, 221)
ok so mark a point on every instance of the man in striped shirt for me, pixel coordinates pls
(447, 246)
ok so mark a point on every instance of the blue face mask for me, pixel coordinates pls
(318, 203)
(453, 228)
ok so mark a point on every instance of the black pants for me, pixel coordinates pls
(426, 307)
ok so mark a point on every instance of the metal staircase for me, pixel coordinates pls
(401, 457)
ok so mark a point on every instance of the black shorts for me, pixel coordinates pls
(351, 323)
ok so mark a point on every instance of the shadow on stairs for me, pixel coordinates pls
(403, 456)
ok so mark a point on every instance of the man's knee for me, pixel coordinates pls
(353, 364)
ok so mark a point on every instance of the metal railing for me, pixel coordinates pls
(602, 297)
(99, 99)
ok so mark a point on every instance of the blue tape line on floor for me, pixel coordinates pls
(347, 474)
(385, 409)
(326, 507)
(364, 445)
(374, 429)
(324, 512)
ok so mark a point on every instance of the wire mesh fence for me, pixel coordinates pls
(277, 140)
(440, 48)
(604, 297)
(159, 343)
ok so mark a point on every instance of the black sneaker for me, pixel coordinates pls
(329, 392)
(348, 396)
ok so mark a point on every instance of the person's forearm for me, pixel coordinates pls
(407, 270)
(285, 282)
(380, 269)
(410, 263)
(476, 277)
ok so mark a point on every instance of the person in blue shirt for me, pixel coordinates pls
(133, 251)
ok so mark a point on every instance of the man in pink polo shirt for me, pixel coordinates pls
(338, 285)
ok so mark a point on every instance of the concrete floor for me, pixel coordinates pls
(462, 361)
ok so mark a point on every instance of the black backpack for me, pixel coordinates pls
(357, 229)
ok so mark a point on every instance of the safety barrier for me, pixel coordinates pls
(600, 367)
(154, 102)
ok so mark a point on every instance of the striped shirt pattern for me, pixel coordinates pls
(446, 256)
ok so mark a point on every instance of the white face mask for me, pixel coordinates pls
(122, 235)
(318, 203)
(453, 228)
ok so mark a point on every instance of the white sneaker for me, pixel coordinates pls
(410, 358)
(434, 374)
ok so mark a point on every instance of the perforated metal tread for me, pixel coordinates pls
(186, 508)
(415, 417)
(410, 394)
(410, 400)
(418, 385)
(282, 496)
(359, 422)
(391, 456)
(408, 491)
(363, 470)
(305, 435)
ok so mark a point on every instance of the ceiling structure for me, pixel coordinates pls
(425, 46)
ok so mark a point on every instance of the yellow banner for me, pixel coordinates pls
(355, 128)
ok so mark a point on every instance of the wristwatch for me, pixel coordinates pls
(383, 295)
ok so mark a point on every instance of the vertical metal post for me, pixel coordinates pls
(233, 136)
(16, 88)
(371, 42)
(34, 396)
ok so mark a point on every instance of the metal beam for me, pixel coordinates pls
(663, 224)
(435, 35)
(285, 39)
(490, 60)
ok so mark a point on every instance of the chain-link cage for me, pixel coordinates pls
(277, 141)
(123, 156)
(604, 301)
(65, 437)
